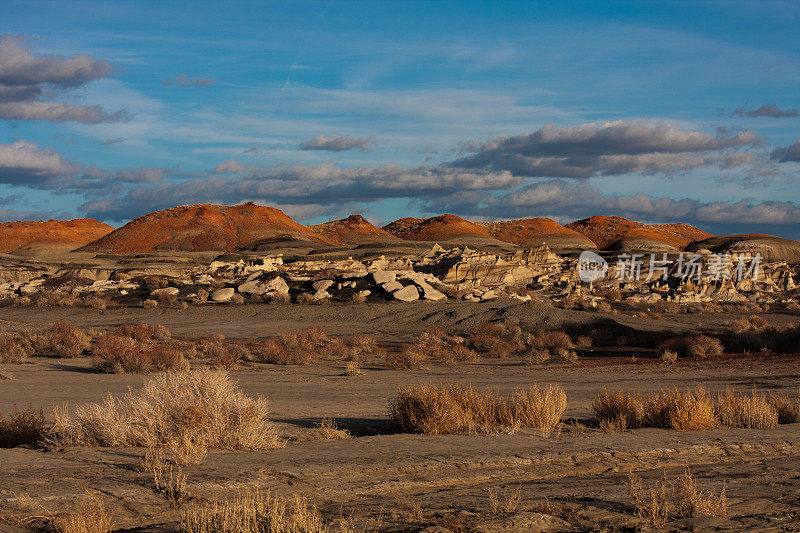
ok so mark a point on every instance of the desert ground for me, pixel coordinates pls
(575, 478)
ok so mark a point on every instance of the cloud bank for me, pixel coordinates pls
(337, 143)
(608, 148)
(24, 78)
(769, 110)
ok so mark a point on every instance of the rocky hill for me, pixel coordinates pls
(354, 229)
(197, 228)
(531, 232)
(34, 237)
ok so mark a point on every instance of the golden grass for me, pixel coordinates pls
(21, 427)
(737, 410)
(680, 410)
(352, 369)
(619, 410)
(787, 407)
(694, 410)
(504, 502)
(199, 406)
(680, 498)
(87, 517)
(326, 429)
(253, 512)
(456, 408)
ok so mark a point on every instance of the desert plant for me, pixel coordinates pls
(62, 340)
(618, 409)
(704, 346)
(145, 332)
(21, 427)
(204, 405)
(736, 410)
(504, 502)
(410, 358)
(326, 429)
(691, 501)
(352, 369)
(87, 517)
(456, 408)
(121, 354)
(253, 512)
(680, 497)
(787, 407)
(667, 356)
(682, 411)
(12, 350)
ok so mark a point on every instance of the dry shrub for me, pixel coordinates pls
(121, 354)
(680, 498)
(62, 340)
(276, 352)
(149, 303)
(505, 502)
(456, 408)
(324, 430)
(87, 517)
(757, 321)
(682, 411)
(12, 350)
(168, 481)
(736, 410)
(352, 369)
(496, 339)
(700, 346)
(787, 407)
(410, 358)
(225, 356)
(252, 512)
(667, 356)
(619, 409)
(21, 427)
(201, 406)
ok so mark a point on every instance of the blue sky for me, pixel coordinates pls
(657, 111)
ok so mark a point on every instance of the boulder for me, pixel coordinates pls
(253, 288)
(276, 286)
(406, 294)
(166, 292)
(322, 285)
(429, 293)
(223, 295)
(383, 276)
(392, 286)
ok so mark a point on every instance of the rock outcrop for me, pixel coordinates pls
(41, 237)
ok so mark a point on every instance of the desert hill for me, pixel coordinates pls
(531, 232)
(621, 234)
(442, 227)
(771, 248)
(354, 229)
(197, 228)
(33, 237)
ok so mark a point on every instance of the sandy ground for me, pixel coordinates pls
(571, 481)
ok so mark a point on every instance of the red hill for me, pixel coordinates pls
(531, 232)
(50, 235)
(617, 233)
(439, 228)
(196, 228)
(354, 229)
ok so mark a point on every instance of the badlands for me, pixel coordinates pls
(434, 374)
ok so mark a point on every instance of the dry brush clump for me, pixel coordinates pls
(678, 498)
(203, 408)
(21, 427)
(409, 358)
(326, 429)
(694, 410)
(86, 517)
(253, 512)
(118, 353)
(456, 408)
(698, 346)
(58, 340)
(13, 349)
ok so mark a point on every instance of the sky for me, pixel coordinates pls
(655, 111)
